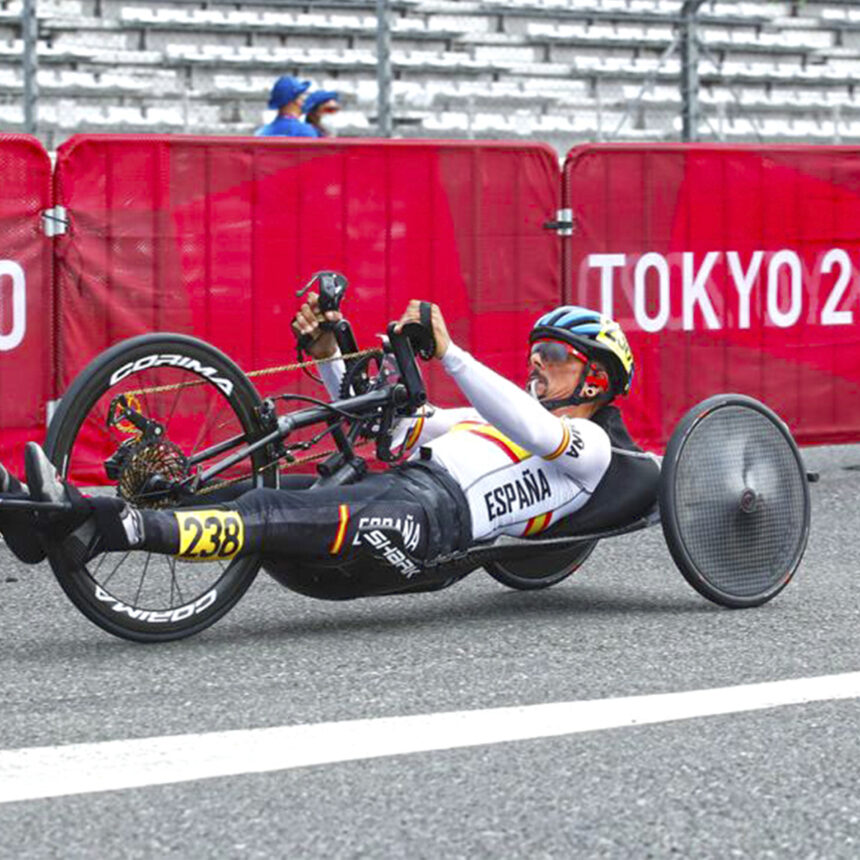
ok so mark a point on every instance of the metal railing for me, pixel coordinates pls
(691, 110)
(30, 65)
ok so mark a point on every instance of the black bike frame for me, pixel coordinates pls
(404, 397)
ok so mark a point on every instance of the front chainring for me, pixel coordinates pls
(363, 375)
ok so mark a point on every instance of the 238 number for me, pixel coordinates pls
(209, 535)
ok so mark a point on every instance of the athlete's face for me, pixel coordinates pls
(555, 369)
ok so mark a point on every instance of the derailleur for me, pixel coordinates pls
(148, 469)
(124, 415)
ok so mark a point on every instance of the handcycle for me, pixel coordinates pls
(168, 421)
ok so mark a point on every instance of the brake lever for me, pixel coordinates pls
(332, 289)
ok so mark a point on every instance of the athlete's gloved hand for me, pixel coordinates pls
(440, 330)
(307, 322)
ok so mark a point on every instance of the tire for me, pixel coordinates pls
(199, 396)
(734, 501)
(530, 574)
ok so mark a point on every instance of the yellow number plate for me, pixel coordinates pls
(209, 535)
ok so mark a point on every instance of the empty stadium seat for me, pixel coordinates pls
(560, 70)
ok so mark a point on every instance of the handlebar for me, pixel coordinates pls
(332, 289)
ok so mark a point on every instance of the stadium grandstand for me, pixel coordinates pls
(563, 71)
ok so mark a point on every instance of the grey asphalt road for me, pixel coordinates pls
(780, 783)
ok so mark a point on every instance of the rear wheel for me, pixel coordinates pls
(140, 421)
(528, 574)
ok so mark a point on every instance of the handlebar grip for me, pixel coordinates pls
(304, 342)
(332, 287)
(421, 333)
(342, 334)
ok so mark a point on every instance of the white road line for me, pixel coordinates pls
(41, 772)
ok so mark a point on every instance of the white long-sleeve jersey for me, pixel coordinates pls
(520, 467)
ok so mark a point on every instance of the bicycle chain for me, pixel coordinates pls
(266, 371)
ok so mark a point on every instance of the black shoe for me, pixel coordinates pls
(19, 527)
(74, 531)
(45, 484)
(91, 525)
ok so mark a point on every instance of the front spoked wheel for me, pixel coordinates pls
(144, 420)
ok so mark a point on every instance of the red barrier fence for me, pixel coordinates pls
(26, 313)
(732, 269)
(212, 236)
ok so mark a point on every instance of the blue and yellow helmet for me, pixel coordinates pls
(597, 336)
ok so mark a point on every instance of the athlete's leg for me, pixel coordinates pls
(380, 515)
(322, 524)
(374, 537)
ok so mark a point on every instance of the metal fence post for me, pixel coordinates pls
(383, 67)
(690, 70)
(29, 62)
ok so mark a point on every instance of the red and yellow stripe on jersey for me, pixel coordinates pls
(343, 522)
(565, 441)
(514, 451)
(415, 433)
(537, 524)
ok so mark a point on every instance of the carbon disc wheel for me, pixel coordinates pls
(138, 422)
(734, 501)
(529, 574)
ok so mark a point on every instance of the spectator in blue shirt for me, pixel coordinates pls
(317, 105)
(287, 98)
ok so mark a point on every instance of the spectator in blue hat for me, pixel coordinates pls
(320, 104)
(287, 98)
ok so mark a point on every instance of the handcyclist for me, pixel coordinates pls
(515, 462)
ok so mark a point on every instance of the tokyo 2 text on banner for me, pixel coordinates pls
(731, 269)
(26, 315)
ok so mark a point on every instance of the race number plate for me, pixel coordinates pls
(209, 535)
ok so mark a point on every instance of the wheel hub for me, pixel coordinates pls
(749, 501)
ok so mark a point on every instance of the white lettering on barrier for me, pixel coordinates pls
(658, 263)
(744, 281)
(780, 259)
(606, 263)
(13, 338)
(786, 285)
(829, 314)
(694, 289)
